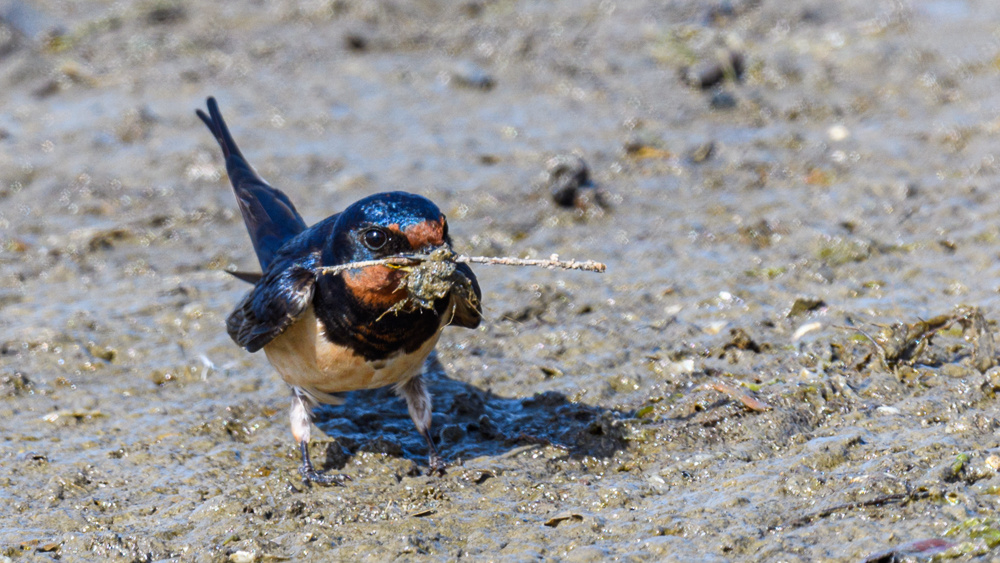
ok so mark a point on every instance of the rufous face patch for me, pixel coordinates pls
(376, 286)
(428, 233)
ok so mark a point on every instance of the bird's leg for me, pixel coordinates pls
(418, 402)
(301, 419)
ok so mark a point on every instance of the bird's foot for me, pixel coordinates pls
(310, 475)
(436, 464)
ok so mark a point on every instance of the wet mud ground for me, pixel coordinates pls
(712, 397)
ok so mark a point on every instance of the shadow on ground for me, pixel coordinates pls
(468, 423)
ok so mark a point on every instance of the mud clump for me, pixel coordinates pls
(569, 183)
(432, 279)
(729, 66)
(902, 344)
(15, 383)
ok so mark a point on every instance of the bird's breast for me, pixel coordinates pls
(305, 358)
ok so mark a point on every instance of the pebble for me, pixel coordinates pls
(470, 75)
(722, 100)
(567, 174)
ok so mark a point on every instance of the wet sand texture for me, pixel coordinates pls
(790, 357)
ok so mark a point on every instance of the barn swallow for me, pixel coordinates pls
(329, 333)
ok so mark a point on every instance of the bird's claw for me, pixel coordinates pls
(310, 475)
(437, 466)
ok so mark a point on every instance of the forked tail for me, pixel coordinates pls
(269, 215)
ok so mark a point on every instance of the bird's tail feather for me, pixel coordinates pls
(269, 215)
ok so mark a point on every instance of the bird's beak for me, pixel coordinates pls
(439, 253)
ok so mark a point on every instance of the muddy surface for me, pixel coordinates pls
(788, 196)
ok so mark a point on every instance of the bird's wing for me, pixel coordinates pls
(275, 302)
(269, 215)
(283, 292)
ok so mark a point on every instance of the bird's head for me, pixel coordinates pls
(382, 225)
(386, 224)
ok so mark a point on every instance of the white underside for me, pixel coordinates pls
(305, 359)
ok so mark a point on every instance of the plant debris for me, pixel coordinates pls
(902, 344)
(923, 549)
(551, 263)
(72, 414)
(976, 330)
(430, 277)
(740, 340)
(563, 517)
(750, 402)
(878, 501)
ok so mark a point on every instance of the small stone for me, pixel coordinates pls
(702, 152)
(452, 433)
(730, 65)
(470, 75)
(838, 133)
(992, 379)
(570, 184)
(106, 353)
(356, 42)
(993, 462)
(166, 13)
(804, 305)
(722, 100)
(955, 371)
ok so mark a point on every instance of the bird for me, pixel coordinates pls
(327, 334)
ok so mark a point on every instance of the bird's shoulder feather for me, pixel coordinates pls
(284, 291)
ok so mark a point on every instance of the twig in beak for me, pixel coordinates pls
(410, 259)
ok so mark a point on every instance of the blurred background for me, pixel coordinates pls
(796, 202)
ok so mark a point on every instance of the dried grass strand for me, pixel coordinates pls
(551, 263)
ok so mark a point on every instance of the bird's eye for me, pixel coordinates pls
(375, 239)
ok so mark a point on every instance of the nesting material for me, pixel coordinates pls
(434, 276)
(431, 279)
